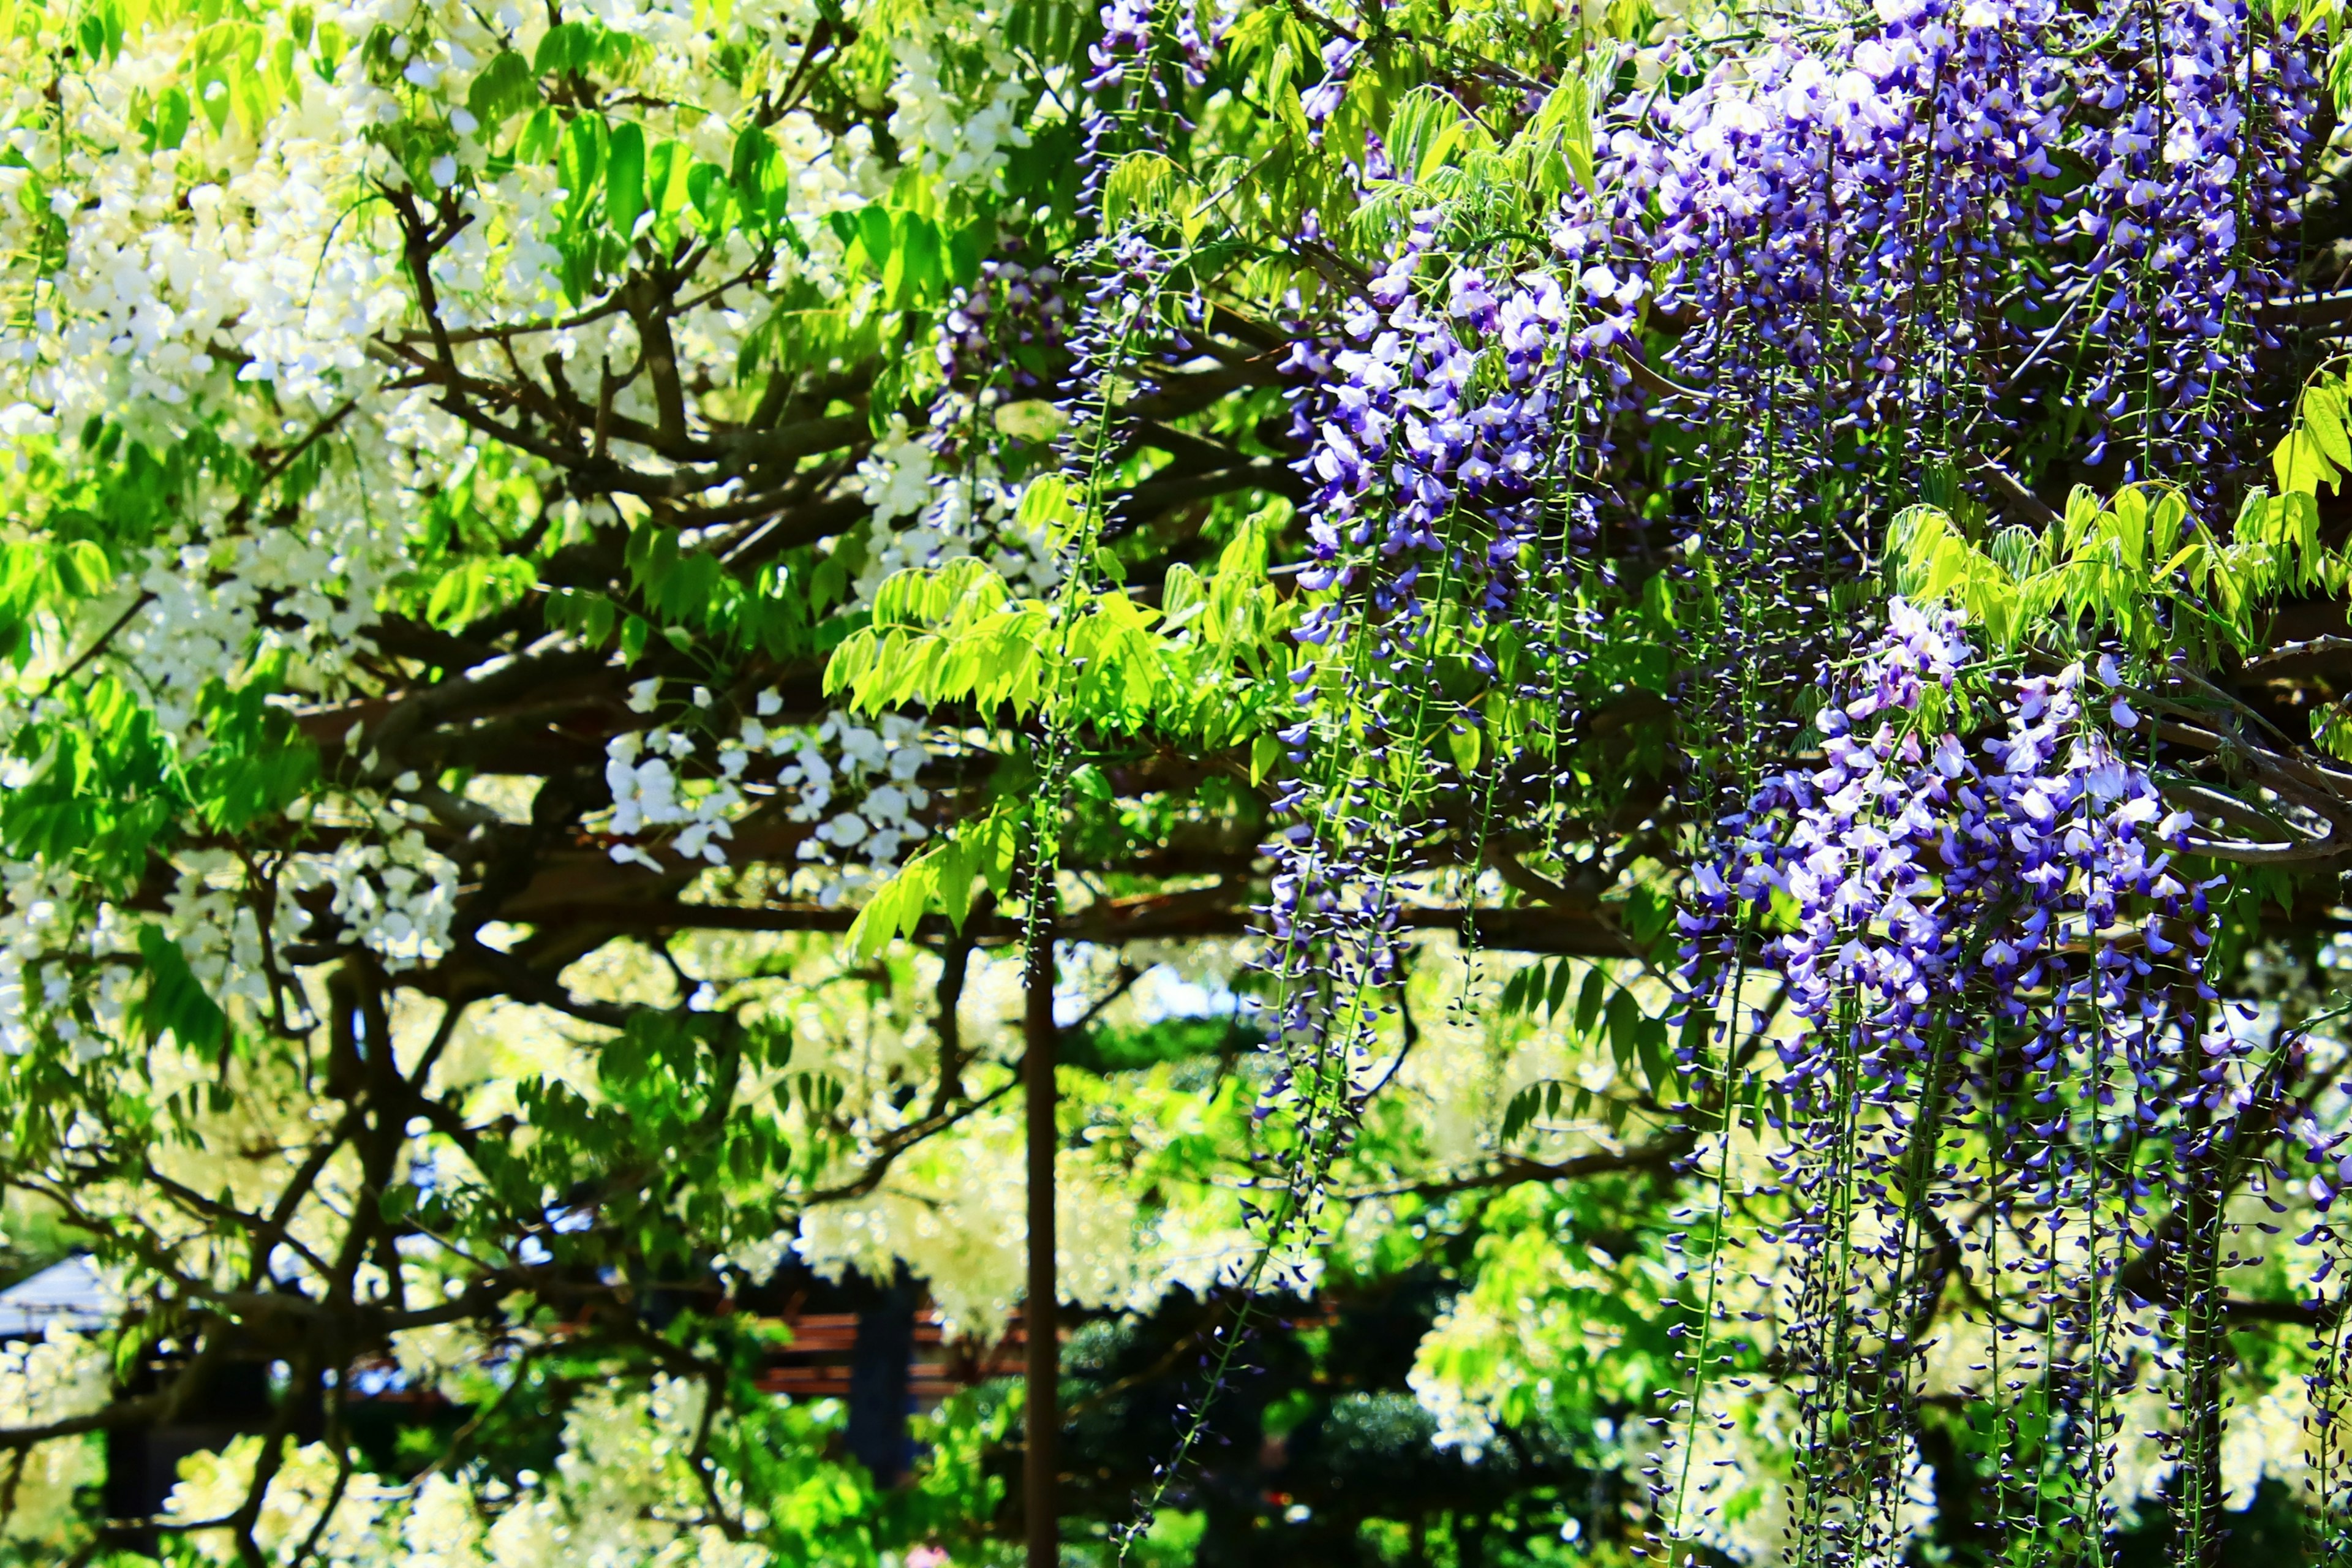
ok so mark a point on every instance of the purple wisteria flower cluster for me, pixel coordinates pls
(1875, 250)
(1994, 958)
(1407, 442)
(1124, 80)
(1834, 211)
(2195, 188)
(1007, 321)
(2013, 889)
(1837, 226)
(998, 342)
(1439, 417)
(1842, 218)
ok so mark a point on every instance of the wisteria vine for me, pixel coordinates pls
(1827, 268)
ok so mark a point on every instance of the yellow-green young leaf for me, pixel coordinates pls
(506, 87)
(707, 189)
(2082, 511)
(916, 596)
(897, 906)
(995, 844)
(1425, 130)
(1566, 120)
(2300, 463)
(1266, 755)
(167, 127)
(2300, 527)
(2164, 524)
(1182, 597)
(2126, 530)
(2285, 528)
(941, 878)
(539, 136)
(1143, 185)
(667, 168)
(81, 568)
(1046, 503)
(581, 160)
(477, 588)
(1245, 554)
(2322, 413)
(2228, 587)
(1911, 543)
(955, 883)
(850, 662)
(1033, 419)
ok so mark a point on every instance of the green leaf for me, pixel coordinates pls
(1428, 125)
(82, 569)
(1266, 755)
(1524, 1107)
(1621, 1018)
(176, 1003)
(2323, 411)
(1140, 184)
(1046, 503)
(1657, 1062)
(1555, 997)
(713, 200)
(581, 161)
(667, 170)
(1519, 988)
(898, 906)
(167, 126)
(539, 137)
(2301, 464)
(568, 46)
(1036, 420)
(507, 86)
(1590, 999)
(478, 587)
(875, 232)
(624, 178)
(755, 158)
(1462, 743)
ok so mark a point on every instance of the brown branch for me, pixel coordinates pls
(1514, 1170)
(1573, 932)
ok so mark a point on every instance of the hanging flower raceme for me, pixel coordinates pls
(1410, 439)
(1929, 880)
(2004, 1061)
(2199, 122)
(1861, 253)
(1843, 221)
(1000, 330)
(1836, 210)
(1444, 402)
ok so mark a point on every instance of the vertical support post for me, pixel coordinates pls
(879, 1372)
(1043, 1368)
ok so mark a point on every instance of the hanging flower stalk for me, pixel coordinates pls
(2008, 1085)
